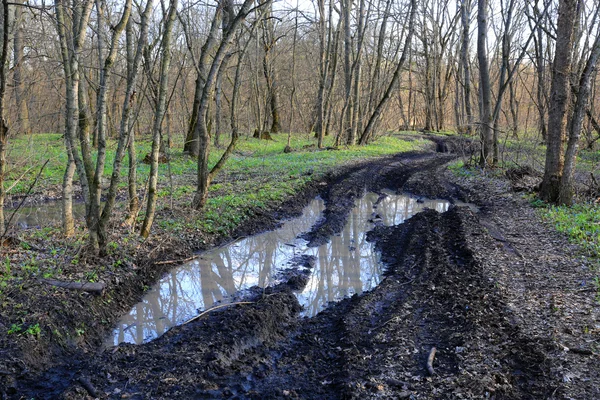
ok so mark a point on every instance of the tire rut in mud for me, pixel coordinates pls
(374, 345)
(390, 173)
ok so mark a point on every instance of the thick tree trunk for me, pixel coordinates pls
(485, 89)
(559, 99)
(566, 183)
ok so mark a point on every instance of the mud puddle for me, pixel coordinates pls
(346, 265)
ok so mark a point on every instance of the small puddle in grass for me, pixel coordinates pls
(346, 265)
(41, 215)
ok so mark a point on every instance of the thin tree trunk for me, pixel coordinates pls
(70, 47)
(126, 140)
(20, 99)
(465, 11)
(347, 117)
(204, 177)
(3, 124)
(368, 131)
(191, 145)
(158, 118)
(357, 72)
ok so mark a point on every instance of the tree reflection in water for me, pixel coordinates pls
(346, 265)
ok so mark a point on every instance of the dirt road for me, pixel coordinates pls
(507, 303)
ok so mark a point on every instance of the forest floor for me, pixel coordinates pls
(508, 303)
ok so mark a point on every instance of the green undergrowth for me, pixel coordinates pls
(257, 174)
(26, 155)
(581, 223)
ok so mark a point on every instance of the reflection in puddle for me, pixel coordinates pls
(344, 266)
(348, 264)
(42, 215)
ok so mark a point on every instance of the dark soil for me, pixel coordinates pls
(507, 302)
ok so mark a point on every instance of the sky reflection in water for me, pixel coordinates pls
(344, 266)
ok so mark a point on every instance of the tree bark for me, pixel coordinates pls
(20, 99)
(71, 43)
(158, 118)
(566, 191)
(559, 98)
(268, 42)
(4, 25)
(202, 132)
(485, 89)
(465, 16)
(191, 145)
(368, 131)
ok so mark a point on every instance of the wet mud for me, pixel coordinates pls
(508, 308)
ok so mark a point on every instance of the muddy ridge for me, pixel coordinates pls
(498, 294)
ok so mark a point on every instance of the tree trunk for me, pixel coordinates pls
(347, 125)
(566, 183)
(71, 43)
(191, 145)
(23, 112)
(158, 118)
(368, 131)
(485, 89)
(4, 24)
(204, 176)
(465, 16)
(559, 99)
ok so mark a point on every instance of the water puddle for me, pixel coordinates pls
(42, 215)
(346, 265)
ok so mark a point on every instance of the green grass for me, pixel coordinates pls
(257, 174)
(581, 223)
(257, 157)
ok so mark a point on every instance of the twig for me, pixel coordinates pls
(175, 261)
(214, 308)
(91, 287)
(87, 385)
(430, 361)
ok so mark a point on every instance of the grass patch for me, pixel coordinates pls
(257, 174)
(581, 223)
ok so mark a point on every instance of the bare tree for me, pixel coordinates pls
(4, 26)
(204, 175)
(559, 99)
(465, 17)
(71, 33)
(576, 125)
(374, 118)
(159, 113)
(485, 86)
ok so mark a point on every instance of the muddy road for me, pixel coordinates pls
(507, 303)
